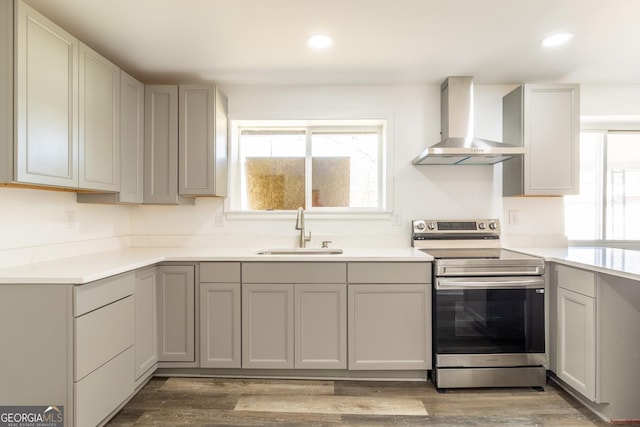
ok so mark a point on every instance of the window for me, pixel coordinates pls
(608, 206)
(280, 166)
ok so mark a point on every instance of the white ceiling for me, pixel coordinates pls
(375, 41)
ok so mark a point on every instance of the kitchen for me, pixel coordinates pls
(61, 227)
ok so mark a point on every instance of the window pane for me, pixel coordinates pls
(582, 212)
(345, 169)
(623, 186)
(273, 169)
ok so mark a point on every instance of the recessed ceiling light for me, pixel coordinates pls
(557, 39)
(319, 41)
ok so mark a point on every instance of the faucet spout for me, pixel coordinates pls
(304, 237)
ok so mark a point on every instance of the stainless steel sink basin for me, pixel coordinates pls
(300, 251)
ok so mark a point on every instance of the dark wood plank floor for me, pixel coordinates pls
(244, 402)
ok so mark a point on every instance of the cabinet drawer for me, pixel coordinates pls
(576, 280)
(389, 272)
(220, 272)
(101, 335)
(294, 272)
(100, 393)
(102, 292)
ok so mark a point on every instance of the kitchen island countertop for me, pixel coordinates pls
(88, 268)
(614, 261)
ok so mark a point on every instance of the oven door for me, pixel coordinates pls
(489, 316)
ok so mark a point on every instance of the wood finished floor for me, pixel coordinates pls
(244, 402)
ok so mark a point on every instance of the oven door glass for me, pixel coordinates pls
(488, 321)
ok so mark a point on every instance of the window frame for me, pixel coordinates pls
(604, 126)
(233, 206)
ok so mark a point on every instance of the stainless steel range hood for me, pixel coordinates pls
(458, 146)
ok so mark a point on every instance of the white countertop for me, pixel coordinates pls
(87, 268)
(617, 262)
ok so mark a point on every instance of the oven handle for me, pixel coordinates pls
(489, 283)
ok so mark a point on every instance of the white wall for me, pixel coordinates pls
(33, 226)
(541, 219)
(419, 191)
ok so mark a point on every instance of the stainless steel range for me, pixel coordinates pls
(488, 307)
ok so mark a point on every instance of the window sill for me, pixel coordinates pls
(622, 244)
(291, 215)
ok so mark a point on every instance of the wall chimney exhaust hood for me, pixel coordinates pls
(458, 146)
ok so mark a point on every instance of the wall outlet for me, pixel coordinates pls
(514, 217)
(219, 219)
(70, 220)
(396, 219)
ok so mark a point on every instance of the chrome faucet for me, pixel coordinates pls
(304, 238)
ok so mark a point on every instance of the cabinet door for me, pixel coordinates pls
(220, 325)
(389, 326)
(161, 144)
(202, 141)
(551, 131)
(6, 91)
(146, 315)
(176, 314)
(267, 325)
(46, 101)
(99, 122)
(321, 326)
(576, 341)
(131, 139)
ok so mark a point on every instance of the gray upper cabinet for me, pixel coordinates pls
(131, 146)
(544, 118)
(6, 91)
(131, 139)
(60, 118)
(99, 122)
(161, 144)
(202, 141)
(46, 101)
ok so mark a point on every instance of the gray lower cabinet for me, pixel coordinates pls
(176, 313)
(220, 315)
(596, 324)
(320, 320)
(576, 328)
(267, 325)
(146, 329)
(294, 315)
(103, 368)
(74, 347)
(389, 316)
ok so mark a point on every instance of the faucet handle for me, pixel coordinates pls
(325, 243)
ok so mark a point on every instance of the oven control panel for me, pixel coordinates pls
(433, 227)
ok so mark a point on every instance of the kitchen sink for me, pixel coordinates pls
(300, 251)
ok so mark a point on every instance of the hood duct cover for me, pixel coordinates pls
(458, 146)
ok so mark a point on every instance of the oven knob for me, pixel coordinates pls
(431, 226)
(482, 226)
(419, 225)
(492, 225)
